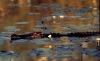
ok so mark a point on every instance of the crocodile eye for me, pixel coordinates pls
(49, 36)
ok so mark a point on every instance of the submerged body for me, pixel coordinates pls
(41, 35)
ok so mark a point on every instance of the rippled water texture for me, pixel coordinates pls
(59, 16)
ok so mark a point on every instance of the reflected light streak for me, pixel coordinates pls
(50, 46)
(62, 1)
(85, 45)
(95, 4)
(94, 1)
(54, 17)
(12, 0)
(21, 2)
(95, 13)
(29, 3)
(54, 21)
(43, 59)
(65, 59)
(95, 8)
(54, 60)
(61, 16)
(98, 40)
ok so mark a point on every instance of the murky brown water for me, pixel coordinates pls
(9, 18)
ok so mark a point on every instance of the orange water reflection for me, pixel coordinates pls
(9, 18)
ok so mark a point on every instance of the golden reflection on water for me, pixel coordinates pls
(9, 18)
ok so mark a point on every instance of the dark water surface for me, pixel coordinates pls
(16, 19)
